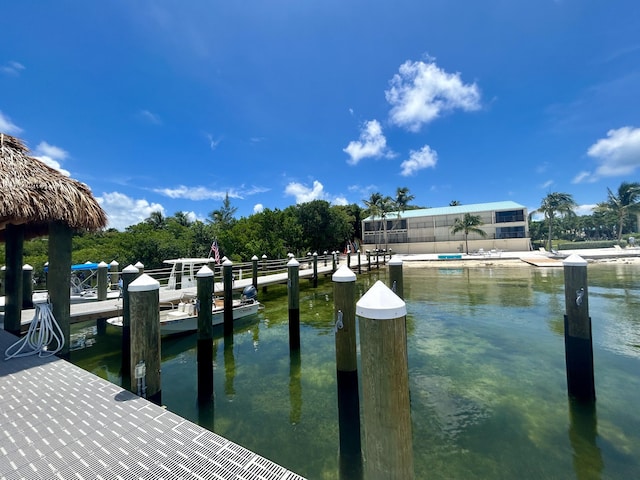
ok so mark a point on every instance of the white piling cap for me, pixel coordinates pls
(574, 260)
(380, 303)
(293, 263)
(26, 266)
(204, 272)
(139, 265)
(114, 263)
(102, 265)
(254, 258)
(227, 262)
(144, 283)
(395, 261)
(130, 269)
(343, 274)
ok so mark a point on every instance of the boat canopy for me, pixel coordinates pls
(81, 266)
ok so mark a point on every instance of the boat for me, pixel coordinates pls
(183, 318)
(83, 277)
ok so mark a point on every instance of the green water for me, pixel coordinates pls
(486, 374)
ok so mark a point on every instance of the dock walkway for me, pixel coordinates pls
(59, 421)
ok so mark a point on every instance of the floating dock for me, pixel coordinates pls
(58, 421)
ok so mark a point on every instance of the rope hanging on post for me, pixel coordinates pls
(43, 331)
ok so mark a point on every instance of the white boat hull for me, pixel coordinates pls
(176, 321)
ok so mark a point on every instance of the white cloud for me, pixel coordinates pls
(150, 117)
(546, 184)
(421, 92)
(371, 143)
(213, 144)
(340, 200)
(12, 68)
(7, 126)
(418, 160)
(258, 208)
(52, 156)
(583, 176)
(196, 193)
(581, 210)
(123, 211)
(305, 194)
(618, 154)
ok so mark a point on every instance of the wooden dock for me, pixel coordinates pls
(59, 421)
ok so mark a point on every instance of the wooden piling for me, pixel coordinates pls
(368, 261)
(204, 346)
(114, 273)
(264, 271)
(140, 267)
(359, 263)
(388, 449)
(344, 294)
(129, 274)
(59, 279)
(254, 272)
(144, 299)
(102, 281)
(227, 281)
(315, 269)
(293, 284)
(27, 287)
(577, 331)
(395, 277)
(14, 250)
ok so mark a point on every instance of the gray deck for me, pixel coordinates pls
(59, 421)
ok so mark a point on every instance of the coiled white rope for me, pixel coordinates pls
(43, 332)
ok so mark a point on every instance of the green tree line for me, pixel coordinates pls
(315, 226)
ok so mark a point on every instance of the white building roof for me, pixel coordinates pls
(456, 210)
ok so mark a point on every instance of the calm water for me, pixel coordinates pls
(486, 367)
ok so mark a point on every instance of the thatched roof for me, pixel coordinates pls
(34, 194)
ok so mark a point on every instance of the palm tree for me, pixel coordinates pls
(402, 200)
(621, 205)
(454, 203)
(156, 220)
(374, 208)
(468, 224)
(556, 203)
(386, 206)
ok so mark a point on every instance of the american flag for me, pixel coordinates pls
(216, 252)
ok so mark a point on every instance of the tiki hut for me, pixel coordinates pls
(37, 200)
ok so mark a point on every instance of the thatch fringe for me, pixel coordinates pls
(34, 194)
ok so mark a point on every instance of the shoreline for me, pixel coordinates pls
(535, 259)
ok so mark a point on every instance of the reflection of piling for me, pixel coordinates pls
(205, 334)
(295, 387)
(129, 274)
(229, 368)
(27, 287)
(347, 373)
(577, 330)
(293, 284)
(388, 449)
(144, 300)
(583, 433)
(102, 281)
(395, 277)
(227, 278)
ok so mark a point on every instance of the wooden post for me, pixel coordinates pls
(3, 271)
(344, 294)
(395, 277)
(227, 274)
(178, 275)
(144, 299)
(359, 263)
(59, 279)
(129, 274)
(315, 269)
(349, 257)
(254, 272)
(13, 278)
(140, 267)
(577, 331)
(27, 287)
(333, 259)
(114, 274)
(388, 449)
(102, 281)
(368, 261)
(264, 271)
(204, 346)
(293, 285)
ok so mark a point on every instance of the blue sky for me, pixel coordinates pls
(169, 105)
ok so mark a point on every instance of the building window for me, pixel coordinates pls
(510, 216)
(510, 232)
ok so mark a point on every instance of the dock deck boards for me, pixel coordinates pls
(59, 421)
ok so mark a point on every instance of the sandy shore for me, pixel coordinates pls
(522, 259)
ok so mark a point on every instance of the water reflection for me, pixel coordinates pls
(583, 433)
(295, 387)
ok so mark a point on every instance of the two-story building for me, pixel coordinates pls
(428, 230)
